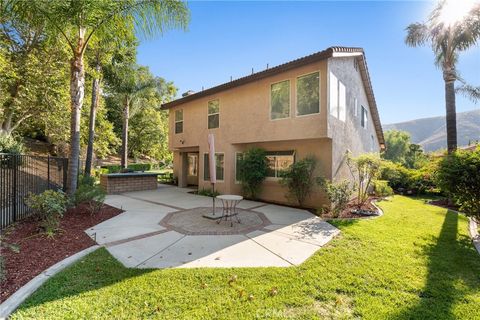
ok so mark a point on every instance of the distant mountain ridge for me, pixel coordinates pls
(431, 133)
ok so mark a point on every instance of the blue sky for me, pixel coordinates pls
(230, 38)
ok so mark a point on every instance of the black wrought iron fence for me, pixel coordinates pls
(24, 174)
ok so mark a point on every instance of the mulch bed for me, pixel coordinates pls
(348, 214)
(444, 203)
(38, 252)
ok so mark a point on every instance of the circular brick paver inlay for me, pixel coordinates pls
(192, 222)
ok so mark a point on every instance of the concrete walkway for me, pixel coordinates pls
(148, 234)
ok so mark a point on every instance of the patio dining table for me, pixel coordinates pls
(229, 203)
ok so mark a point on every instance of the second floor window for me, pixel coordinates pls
(308, 94)
(213, 114)
(337, 98)
(364, 120)
(280, 100)
(179, 121)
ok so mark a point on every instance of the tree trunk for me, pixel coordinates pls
(77, 91)
(451, 114)
(9, 109)
(125, 133)
(93, 115)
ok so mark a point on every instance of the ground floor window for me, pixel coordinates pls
(219, 166)
(279, 161)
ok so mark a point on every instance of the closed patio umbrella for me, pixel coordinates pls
(212, 165)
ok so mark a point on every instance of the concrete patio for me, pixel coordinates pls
(163, 228)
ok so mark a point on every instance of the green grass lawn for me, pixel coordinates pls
(415, 262)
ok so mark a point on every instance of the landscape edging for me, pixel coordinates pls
(16, 299)
(373, 202)
(473, 229)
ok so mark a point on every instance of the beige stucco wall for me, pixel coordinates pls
(245, 114)
(350, 135)
(245, 122)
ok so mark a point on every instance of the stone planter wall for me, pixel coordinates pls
(126, 182)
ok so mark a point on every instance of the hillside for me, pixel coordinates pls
(431, 133)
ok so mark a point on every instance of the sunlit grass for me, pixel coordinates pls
(415, 262)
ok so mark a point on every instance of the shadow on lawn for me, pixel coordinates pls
(98, 270)
(453, 273)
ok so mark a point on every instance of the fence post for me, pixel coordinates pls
(48, 171)
(15, 196)
(65, 170)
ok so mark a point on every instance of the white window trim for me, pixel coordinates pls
(177, 121)
(337, 116)
(211, 114)
(319, 95)
(366, 118)
(203, 169)
(274, 155)
(289, 98)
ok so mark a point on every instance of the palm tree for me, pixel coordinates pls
(132, 87)
(77, 22)
(452, 27)
(104, 49)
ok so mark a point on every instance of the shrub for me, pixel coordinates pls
(133, 167)
(398, 176)
(8, 144)
(140, 166)
(382, 189)
(459, 177)
(113, 168)
(90, 193)
(365, 168)
(253, 171)
(48, 206)
(208, 192)
(338, 194)
(299, 179)
(411, 180)
(97, 172)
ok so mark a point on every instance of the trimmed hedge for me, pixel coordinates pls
(133, 166)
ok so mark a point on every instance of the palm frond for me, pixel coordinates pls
(469, 91)
(417, 34)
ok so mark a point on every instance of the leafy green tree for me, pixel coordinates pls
(34, 78)
(77, 22)
(397, 145)
(133, 88)
(449, 30)
(300, 179)
(253, 171)
(149, 135)
(104, 50)
(415, 158)
(365, 168)
(399, 149)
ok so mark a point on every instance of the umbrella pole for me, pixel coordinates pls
(213, 197)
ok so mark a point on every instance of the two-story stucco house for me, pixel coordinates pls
(321, 105)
